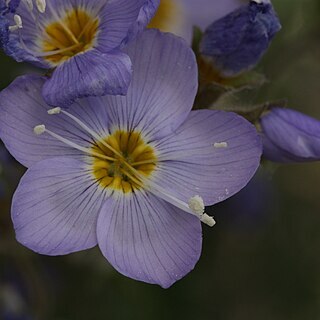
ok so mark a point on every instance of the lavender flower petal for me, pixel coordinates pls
(148, 239)
(22, 108)
(55, 207)
(116, 32)
(88, 74)
(163, 86)
(213, 154)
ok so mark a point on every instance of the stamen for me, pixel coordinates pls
(54, 111)
(86, 27)
(40, 129)
(29, 4)
(61, 22)
(143, 162)
(52, 53)
(220, 145)
(41, 5)
(7, 3)
(91, 132)
(35, 17)
(161, 193)
(206, 219)
(17, 19)
(18, 23)
(196, 204)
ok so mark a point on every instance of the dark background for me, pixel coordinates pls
(261, 261)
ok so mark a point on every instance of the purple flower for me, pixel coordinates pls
(179, 16)
(81, 40)
(290, 136)
(131, 174)
(237, 42)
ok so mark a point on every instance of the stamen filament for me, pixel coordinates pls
(41, 5)
(92, 133)
(29, 4)
(24, 45)
(63, 25)
(143, 162)
(18, 23)
(41, 129)
(162, 193)
(133, 178)
(51, 53)
(86, 27)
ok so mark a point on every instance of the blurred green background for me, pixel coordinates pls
(261, 261)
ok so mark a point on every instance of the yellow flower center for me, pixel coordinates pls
(73, 34)
(166, 16)
(133, 155)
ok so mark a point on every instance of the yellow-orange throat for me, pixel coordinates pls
(133, 157)
(73, 34)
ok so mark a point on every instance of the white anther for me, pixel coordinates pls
(41, 5)
(17, 19)
(56, 110)
(207, 220)
(8, 2)
(257, 1)
(196, 204)
(29, 4)
(13, 28)
(40, 129)
(18, 23)
(220, 145)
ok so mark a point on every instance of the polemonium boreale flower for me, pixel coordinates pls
(237, 42)
(131, 174)
(290, 136)
(81, 40)
(180, 16)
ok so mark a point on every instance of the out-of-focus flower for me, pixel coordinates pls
(179, 16)
(131, 174)
(81, 40)
(237, 42)
(290, 136)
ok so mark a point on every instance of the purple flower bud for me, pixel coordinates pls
(236, 42)
(290, 136)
